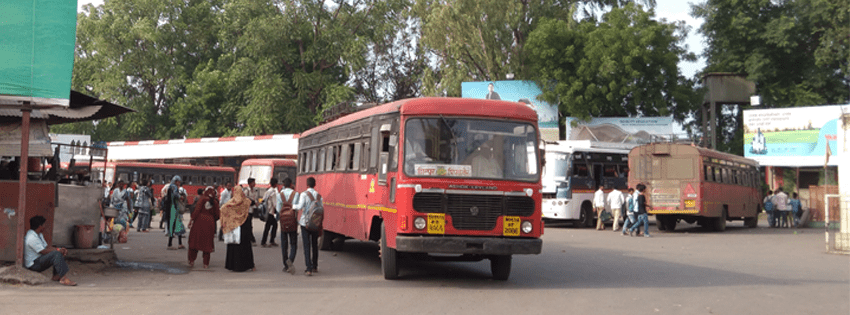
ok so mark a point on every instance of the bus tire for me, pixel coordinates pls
(389, 257)
(720, 222)
(585, 218)
(660, 222)
(500, 267)
(326, 240)
(669, 223)
(752, 222)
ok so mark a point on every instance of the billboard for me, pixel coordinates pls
(795, 136)
(517, 91)
(37, 51)
(635, 130)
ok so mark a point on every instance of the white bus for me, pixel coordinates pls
(572, 172)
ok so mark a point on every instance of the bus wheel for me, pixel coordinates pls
(669, 223)
(751, 222)
(720, 223)
(326, 240)
(660, 222)
(389, 257)
(585, 218)
(500, 266)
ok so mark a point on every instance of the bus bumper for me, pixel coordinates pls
(468, 245)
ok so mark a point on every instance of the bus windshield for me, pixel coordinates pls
(474, 148)
(261, 173)
(557, 166)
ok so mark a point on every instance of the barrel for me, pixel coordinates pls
(84, 236)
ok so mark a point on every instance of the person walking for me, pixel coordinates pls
(599, 206)
(309, 238)
(202, 226)
(175, 224)
(769, 208)
(132, 211)
(642, 216)
(165, 213)
(144, 202)
(630, 211)
(616, 200)
(226, 193)
(236, 213)
(38, 255)
(270, 199)
(288, 225)
(796, 209)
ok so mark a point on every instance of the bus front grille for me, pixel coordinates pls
(473, 212)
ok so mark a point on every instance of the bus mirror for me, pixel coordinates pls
(385, 128)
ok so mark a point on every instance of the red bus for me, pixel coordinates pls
(262, 170)
(459, 178)
(695, 184)
(194, 177)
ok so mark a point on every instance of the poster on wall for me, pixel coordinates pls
(795, 136)
(630, 130)
(517, 91)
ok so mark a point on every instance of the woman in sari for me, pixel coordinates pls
(175, 219)
(202, 227)
(234, 213)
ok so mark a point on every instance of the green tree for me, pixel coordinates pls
(795, 51)
(626, 64)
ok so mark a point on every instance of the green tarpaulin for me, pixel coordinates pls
(37, 51)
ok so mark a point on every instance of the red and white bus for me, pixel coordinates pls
(262, 170)
(459, 178)
(194, 177)
(696, 184)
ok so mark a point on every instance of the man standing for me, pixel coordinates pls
(289, 197)
(309, 238)
(492, 95)
(38, 255)
(780, 202)
(599, 207)
(226, 194)
(254, 195)
(615, 199)
(270, 200)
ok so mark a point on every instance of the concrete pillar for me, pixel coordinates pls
(842, 240)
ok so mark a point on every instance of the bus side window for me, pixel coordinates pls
(345, 158)
(708, 174)
(355, 156)
(717, 177)
(364, 159)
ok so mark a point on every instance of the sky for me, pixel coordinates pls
(672, 10)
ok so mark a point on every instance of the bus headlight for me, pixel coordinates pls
(419, 223)
(526, 227)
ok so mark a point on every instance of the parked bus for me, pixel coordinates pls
(573, 171)
(695, 184)
(458, 178)
(194, 177)
(262, 170)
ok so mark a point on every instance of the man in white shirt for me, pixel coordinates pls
(287, 239)
(38, 255)
(309, 238)
(599, 207)
(254, 195)
(270, 200)
(616, 200)
(226, 194)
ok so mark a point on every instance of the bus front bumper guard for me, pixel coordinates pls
(468, 245)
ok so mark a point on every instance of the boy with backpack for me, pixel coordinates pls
(288, 224)
(630, 211)
(312, 211)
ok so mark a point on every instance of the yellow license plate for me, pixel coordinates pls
(690, 203)
(510, 226)
(436, 223)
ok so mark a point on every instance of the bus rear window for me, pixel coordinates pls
(679, 169)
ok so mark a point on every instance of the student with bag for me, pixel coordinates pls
(288, 225)
(312, 214)
(270, 213)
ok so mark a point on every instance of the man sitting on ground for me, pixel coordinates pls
(38, 255)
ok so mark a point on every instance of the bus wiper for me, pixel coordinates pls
(454, 136)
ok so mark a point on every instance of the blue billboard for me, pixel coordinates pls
(517, 91)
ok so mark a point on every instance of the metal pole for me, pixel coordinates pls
(22, 184)
(713, 125)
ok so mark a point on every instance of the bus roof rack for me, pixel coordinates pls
(344, 108)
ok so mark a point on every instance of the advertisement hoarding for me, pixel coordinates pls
(517, 91)
(620, 129)
(795, 136)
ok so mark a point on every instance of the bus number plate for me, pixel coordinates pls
(436, 223)
(690, 203)
(510, 227)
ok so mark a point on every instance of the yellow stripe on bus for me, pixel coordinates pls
(360, 206)
(672, 211)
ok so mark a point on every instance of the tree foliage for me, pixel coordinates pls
(795, 51)
(625, 64)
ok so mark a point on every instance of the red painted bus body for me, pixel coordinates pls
(262, 170)
(696, 184)
(194, 177)
(444, 201)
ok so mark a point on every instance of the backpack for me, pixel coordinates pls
(288, 217)
(316, 214)
(261, 213)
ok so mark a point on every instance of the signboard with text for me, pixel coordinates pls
(794, 136)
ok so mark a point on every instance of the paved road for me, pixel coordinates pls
(581, 271)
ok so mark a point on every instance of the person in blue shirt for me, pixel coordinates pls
(38, 255)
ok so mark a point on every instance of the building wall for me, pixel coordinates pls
(78, 205)
(41, 199)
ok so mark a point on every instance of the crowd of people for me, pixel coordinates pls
(630, 207)
(782, 211)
